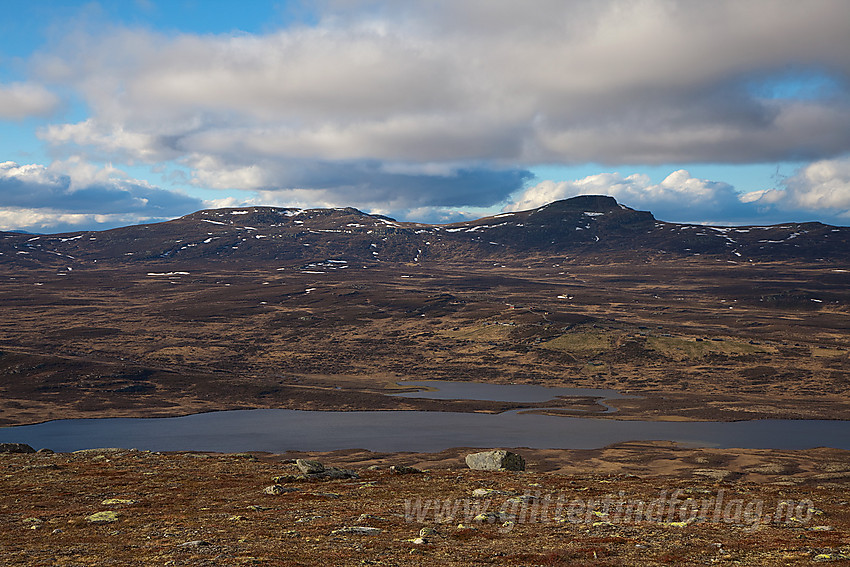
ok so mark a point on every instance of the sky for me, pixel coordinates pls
(728, 112)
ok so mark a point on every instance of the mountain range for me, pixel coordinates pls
(586, 226)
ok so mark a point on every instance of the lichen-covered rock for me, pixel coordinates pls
(428, 532)
(194, 543)
(499, 460)
(307, 466)
(314, 470)
(519, 500)
(335, 473)
(370, 518)
(16, 448)
(118, 502)
(357, 530)
(402, 469)
(102, 517)
(489, 493)
(489, 517)
(33, 523)
(101, 451)
(285, 478)
(276, 489)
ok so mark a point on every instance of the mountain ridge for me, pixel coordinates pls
(591, 226)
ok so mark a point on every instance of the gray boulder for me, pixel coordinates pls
(314, 470)
(276, 489)
(403, 469)
(357, 530)
(16, 448)
(307, 466)
(334, 473)
(499, 460)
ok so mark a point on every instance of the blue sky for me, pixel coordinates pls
(725, 112)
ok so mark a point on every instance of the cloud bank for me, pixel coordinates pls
(449, 89)
(35, 198)
(422, 110)
(819, 191)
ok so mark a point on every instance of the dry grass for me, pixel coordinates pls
(581, 343)
(217, 500)
(117, 342)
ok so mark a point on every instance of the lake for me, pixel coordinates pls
(278, 430)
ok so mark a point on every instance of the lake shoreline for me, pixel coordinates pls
(416, 431)
(360, 394)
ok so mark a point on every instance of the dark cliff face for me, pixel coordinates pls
(590, 225)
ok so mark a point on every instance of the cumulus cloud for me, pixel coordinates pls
(466, 85)
(38, 197)
(679, 197)
(820, 189)
(48, 221)
(23, 100)
(817, 191)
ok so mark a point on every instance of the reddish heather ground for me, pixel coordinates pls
(782, 508)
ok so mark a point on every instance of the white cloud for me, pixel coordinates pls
(229, 202)
(212, 173)
(821, 188)
(23, 100)
(378, 86)
(75, 193)
(111, 140)
(30, 174)
(50, 221)
(817, 191)
(678, 197)
(821, 185)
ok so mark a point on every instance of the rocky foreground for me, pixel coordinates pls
(686, 506)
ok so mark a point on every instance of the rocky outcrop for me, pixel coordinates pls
(357, 530)
(499, 460)
(314, 470)
(307, 466)
(276, 489)
(402, 469)
(489, 493)
(16, 448)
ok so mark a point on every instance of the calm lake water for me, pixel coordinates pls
(282, 430)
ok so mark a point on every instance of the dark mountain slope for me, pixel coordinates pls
(594, 226)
